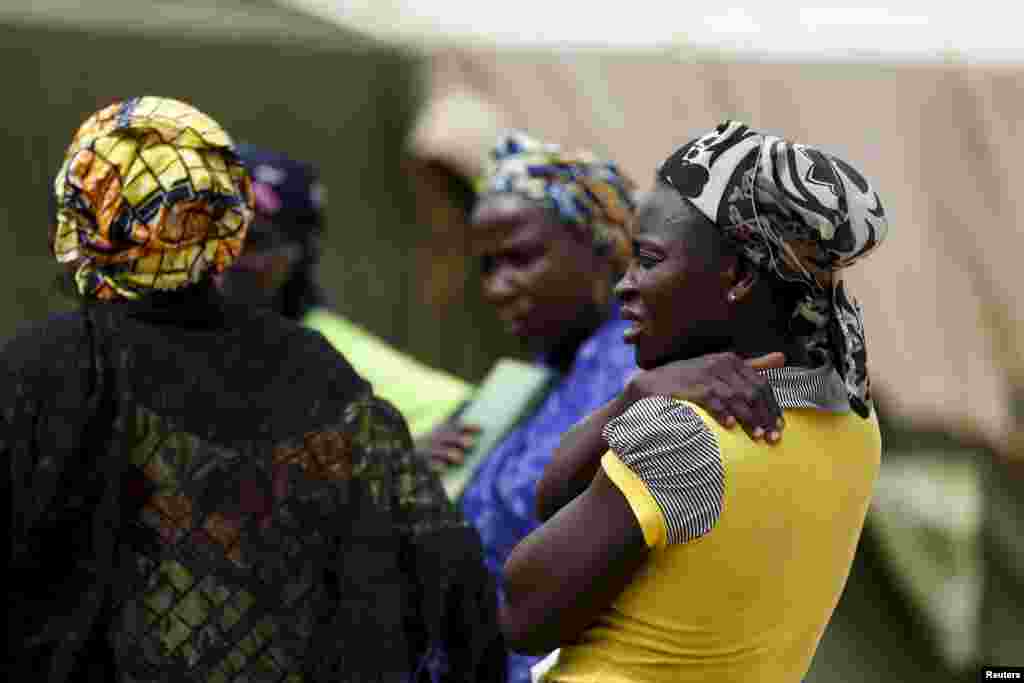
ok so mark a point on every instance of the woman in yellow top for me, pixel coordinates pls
(676, 549)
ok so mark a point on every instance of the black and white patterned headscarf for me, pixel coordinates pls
(799, 214)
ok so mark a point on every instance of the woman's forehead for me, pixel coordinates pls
(506, 218)
(494, 238)
(508, 236)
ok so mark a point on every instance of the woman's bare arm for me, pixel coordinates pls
(576, 460)
(561, 577)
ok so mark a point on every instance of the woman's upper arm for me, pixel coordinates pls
(562, 576)
(662, 484)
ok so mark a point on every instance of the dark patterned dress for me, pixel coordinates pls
(204, 492)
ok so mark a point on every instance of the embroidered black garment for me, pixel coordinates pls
(204, 492)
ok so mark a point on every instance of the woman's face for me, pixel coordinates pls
(538, 274)
(675, 289)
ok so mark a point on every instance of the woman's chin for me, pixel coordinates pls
(648, 358)
(644, 359)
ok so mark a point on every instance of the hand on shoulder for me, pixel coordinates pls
(725, 385)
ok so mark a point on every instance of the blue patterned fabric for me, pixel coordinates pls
(499, 501)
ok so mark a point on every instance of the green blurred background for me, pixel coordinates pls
(273, 77)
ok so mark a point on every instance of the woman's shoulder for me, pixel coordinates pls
(662, 451)
(383, 457)
(657, 424)
(56, 326)
(309, 351)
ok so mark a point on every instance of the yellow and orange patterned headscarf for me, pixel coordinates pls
(151, 196)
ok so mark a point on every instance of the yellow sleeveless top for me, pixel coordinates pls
(751, 544)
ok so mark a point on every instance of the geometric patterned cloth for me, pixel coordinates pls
(150, 196)
(246, 513)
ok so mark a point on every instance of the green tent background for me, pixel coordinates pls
(271, 76)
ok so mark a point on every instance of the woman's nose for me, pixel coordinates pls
(499, 285)
(625, 286)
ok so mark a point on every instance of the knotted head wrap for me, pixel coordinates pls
(800, 215)
(581, 189)
(150, 196)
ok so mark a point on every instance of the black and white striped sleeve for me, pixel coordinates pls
(663, 455)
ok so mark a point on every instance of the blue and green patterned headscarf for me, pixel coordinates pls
(581, 189)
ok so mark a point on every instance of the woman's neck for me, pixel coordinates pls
(770, 340)
(749, 345)
(197, 305)
(763, 326)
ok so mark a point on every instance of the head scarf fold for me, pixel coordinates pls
(584, 191)
(150, 196)
(799, 214)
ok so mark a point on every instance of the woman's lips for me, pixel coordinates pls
(630, 334)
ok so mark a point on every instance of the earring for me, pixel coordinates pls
(732, 297)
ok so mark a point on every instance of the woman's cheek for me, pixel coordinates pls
(535, 274)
